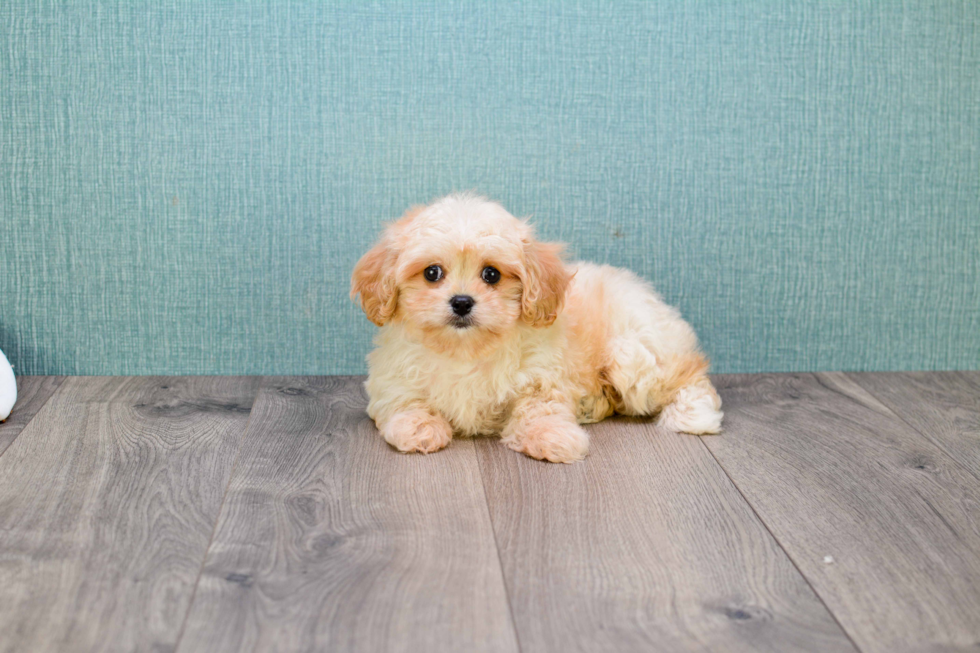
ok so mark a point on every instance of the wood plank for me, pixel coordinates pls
(107, 502)
(331, 541)
(942, 406)
(32, 393)
(644, 546)
(833, 473)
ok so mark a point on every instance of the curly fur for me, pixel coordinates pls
(549, 347)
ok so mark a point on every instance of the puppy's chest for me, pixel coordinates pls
(475, 399)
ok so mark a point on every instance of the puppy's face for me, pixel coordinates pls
(461, 274)
(460, 292)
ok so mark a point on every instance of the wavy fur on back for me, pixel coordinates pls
(549, 346)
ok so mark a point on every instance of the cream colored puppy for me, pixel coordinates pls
(485, 330)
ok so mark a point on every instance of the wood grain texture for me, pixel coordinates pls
(107, 502)
(331, 541)
(942, 406)
(32, 393)
(644, 546)
(832, 472)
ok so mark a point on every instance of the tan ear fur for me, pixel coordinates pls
(374, 275)
(374, 279)
(545, 281)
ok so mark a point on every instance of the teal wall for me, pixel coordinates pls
(185, 186)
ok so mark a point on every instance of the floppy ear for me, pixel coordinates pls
(374, 274)
(374, 279)
(545, 281)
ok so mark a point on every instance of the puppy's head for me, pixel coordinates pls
(462, 273)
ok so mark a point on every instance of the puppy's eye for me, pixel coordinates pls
(491, 275)
(432, 273)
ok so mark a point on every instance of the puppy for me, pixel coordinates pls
(485, 330)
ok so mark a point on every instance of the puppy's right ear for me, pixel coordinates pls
(374, 279)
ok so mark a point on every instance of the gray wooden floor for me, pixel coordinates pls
(837, 512)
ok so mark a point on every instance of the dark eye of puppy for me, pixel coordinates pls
(432, 273)
(491, 275)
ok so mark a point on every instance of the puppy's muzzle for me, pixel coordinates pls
(462, 306)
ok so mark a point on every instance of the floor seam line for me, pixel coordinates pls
(496, 546)
(937, 445)
(217, 519)
(34, 416)
(780, 545)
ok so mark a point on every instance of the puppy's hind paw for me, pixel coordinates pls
(417, 430)
(695, 410)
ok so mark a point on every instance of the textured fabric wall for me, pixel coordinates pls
(185, 186)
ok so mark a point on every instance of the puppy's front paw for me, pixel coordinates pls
(548, 437)
(417, 430)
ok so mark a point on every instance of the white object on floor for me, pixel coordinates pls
(828, 560)
(8, 388)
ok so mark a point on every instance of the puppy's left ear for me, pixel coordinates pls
(545, 281)
(374, 279)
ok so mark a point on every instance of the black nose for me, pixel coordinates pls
(462, 304)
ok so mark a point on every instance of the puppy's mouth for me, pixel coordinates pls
(461, 322)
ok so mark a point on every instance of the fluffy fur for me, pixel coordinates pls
(547, 348)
